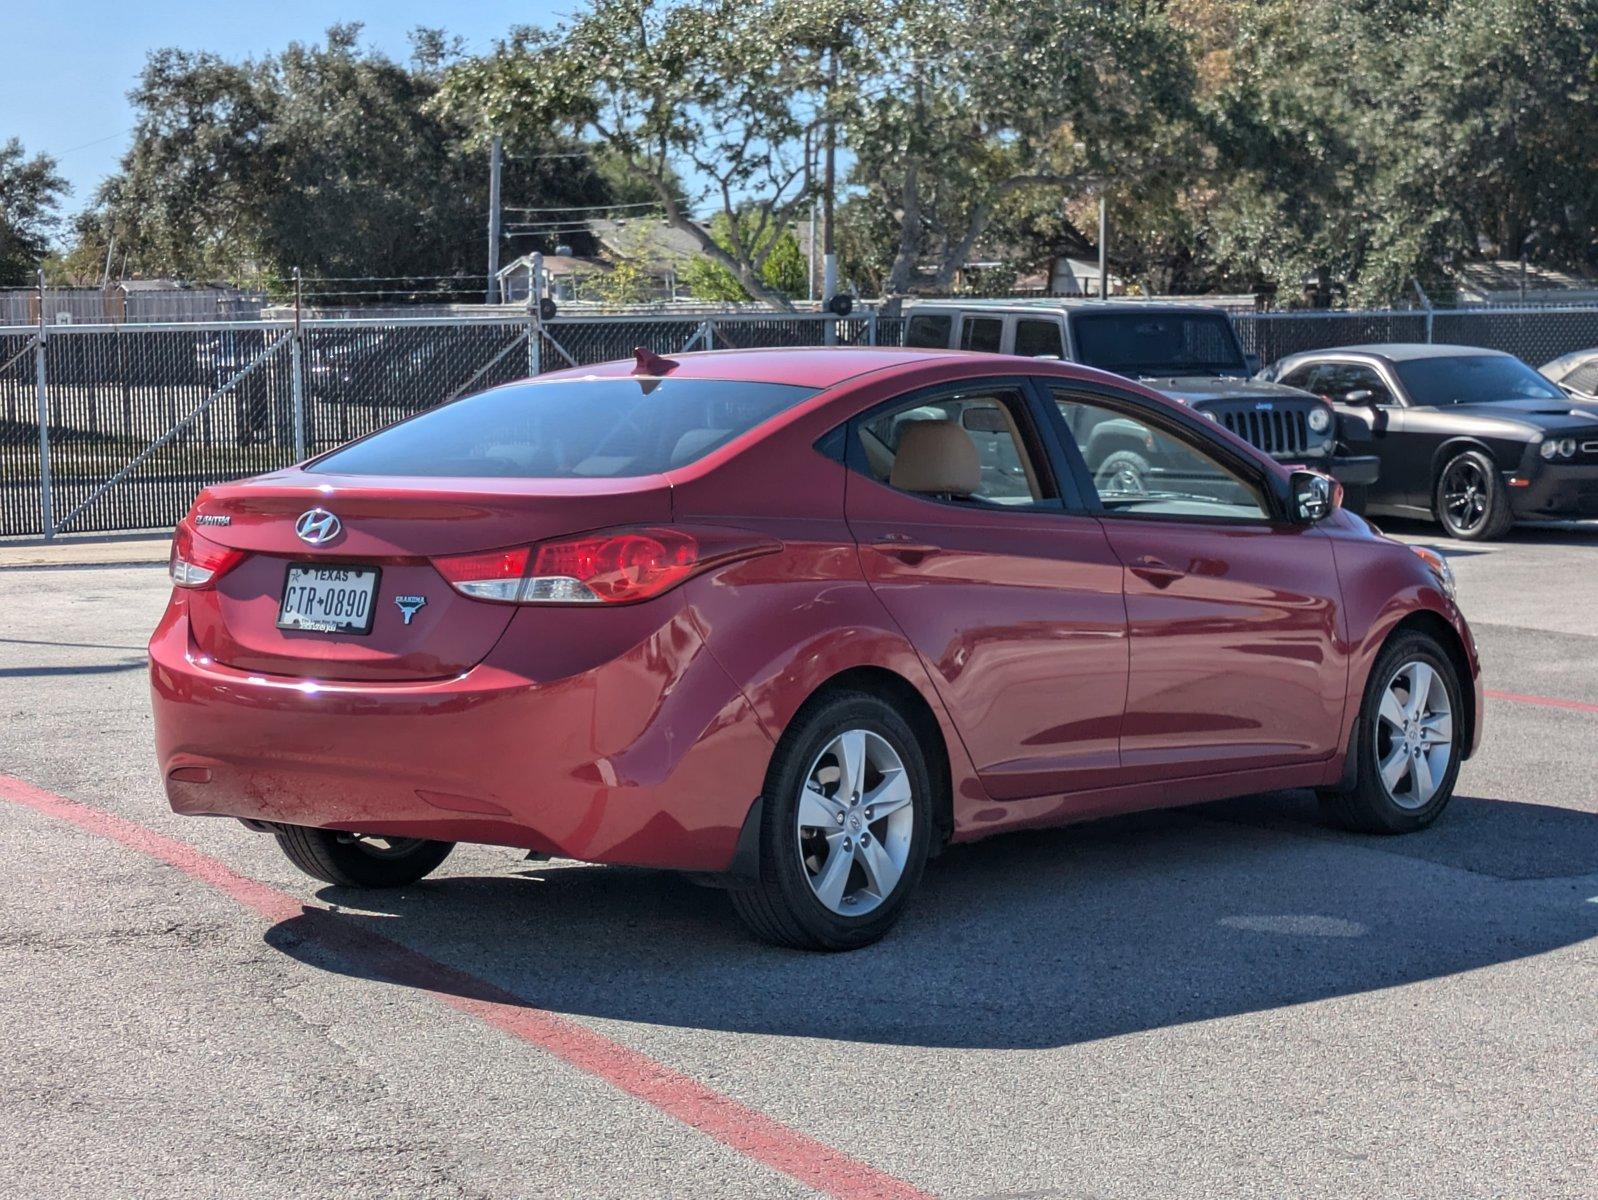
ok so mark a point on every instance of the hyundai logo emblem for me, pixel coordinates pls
(317, 526)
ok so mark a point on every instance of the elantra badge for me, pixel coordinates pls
(317, 527)
(409, 606)
(213, 519)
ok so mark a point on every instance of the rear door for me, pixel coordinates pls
(1237, 660)
(1012, 599)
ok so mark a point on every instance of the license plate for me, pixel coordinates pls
(328, 599)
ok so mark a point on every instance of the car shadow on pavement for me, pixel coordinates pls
(1031, 940)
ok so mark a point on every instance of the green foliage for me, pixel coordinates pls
(782, 267)
(330, 158)
(30, 199)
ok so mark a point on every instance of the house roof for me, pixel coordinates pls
(661, 242)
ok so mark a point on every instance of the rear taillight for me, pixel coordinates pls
(197, 561)
(614, 566)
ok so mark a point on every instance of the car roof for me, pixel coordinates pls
(1402, 351)
(803, 366)
(1063, 303)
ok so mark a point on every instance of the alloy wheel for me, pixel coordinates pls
(1414, 734)
(855, 820)
(1465, 494)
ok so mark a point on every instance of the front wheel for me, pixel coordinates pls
(360, 860)
(1410, 741)
(1471, 501)
(845, 824)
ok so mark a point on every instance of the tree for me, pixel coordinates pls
(782, 267)
(961, 106)
(30, 198)
(727, 91)
(325, 157)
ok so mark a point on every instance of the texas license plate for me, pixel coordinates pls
(328, 599)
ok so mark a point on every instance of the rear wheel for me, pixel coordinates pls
(360, 860)
(1471, 501)
(845, 825)
(1410, 741)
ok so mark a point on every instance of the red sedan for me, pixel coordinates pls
(791, 621)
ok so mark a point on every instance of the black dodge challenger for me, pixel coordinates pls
(1473, 438)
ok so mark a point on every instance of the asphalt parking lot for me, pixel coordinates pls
(1227, 1000)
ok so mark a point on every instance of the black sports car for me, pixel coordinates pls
(1473, 438)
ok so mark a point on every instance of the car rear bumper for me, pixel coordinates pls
(1557, 491)
(650, 757)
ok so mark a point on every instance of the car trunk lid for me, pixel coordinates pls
(392, 528)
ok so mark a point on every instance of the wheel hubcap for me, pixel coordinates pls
(1414, 734)
(855, 821)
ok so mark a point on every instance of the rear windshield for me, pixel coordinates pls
(1150, 344)
(570, 429)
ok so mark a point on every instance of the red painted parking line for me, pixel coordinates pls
(1545, 701)
(679, 1096)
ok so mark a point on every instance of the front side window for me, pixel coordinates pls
(1473, 379)
(929, 330)
(568, 429)
(1340, 380)
(981, 333)
(1141, 469)
(1005, 471)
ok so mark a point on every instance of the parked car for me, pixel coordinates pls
(790, 621)
(1471, 438)
(1575, 373)
(1188, 352)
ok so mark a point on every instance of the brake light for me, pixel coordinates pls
(198, 562)
(619, 566)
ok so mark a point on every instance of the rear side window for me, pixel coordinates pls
(981, 333)
(569, 429)
(929, 330)
(1038, 339)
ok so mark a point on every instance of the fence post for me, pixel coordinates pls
(296, 377)
(41, 398)
(871, 327)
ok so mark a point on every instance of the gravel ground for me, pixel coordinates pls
(1225, 1000)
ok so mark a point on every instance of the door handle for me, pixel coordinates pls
(1155, 571)
(900, 545)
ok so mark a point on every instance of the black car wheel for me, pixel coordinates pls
(1470, 499)
(358, 859)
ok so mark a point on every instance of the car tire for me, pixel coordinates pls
(355, 860)
(1124, 471)
(817, 829)
(1470, 499)
(1420, 770)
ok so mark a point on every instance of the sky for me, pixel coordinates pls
(71, 62)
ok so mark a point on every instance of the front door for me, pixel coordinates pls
(1013, 601)
(1236, 658)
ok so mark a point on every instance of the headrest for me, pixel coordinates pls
(694, 443)
(937, 457)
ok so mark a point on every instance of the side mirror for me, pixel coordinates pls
(1314, 496)
(1362, 396)
(1252, 362)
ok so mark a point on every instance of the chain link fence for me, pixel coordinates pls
(114, 427)
(132, 420)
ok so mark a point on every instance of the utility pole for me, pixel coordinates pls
(494, 155)
(1104, 248)
(829, 259)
